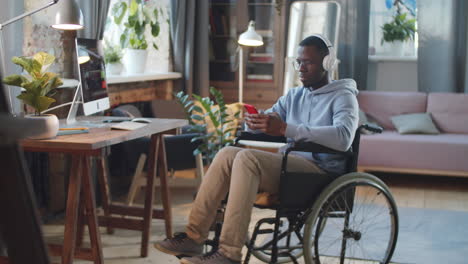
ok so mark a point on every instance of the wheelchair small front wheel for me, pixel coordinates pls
(288, 245)
(354, 220)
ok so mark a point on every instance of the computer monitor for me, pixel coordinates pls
(92, 76)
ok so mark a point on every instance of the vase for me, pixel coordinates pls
(397, 48)
(114, 68)
(135, 61)
(51, 126)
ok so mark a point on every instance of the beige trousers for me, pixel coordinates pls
(243, 173)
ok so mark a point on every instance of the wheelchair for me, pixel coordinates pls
(350, 218)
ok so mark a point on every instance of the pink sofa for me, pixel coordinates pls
(443, 154)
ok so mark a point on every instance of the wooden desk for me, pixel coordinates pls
(81, 206)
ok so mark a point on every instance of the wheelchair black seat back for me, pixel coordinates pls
(326, 218)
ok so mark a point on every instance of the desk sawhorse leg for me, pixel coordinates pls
(156, 161)
(81, 203)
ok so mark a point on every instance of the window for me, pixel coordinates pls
(381, 12)
(158, 60)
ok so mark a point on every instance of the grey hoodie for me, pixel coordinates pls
(327, 116)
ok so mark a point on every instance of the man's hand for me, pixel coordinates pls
(270, 123)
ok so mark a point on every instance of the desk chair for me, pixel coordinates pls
(179, 153)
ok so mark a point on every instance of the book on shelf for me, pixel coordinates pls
(261, 57)
(211, 52)
(225, 24)
(220, 22)
(223, 1)
(260, 77)
(212, 23)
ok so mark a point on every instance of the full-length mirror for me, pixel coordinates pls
(307, 18)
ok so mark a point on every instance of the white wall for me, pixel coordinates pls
(392, 74)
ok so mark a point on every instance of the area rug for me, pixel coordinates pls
(426, 236)
(432, 236)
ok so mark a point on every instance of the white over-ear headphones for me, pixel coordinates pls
(330, 61)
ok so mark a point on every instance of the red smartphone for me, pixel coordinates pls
(251, 109)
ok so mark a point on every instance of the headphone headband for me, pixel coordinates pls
(329, 61)
(325, 40)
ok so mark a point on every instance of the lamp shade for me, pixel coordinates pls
(250, 37)
(68, 16)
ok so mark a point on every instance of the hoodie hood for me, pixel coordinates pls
(343, 84)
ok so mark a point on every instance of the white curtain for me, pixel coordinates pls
(95, 16)
(189, 36)
(442, 46)
(353, 40)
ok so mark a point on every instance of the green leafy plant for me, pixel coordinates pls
(202, 111)
(136, 17)
(399, 29)
(112, 54)
(38, 84)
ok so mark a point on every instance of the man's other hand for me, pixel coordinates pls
(270, 123)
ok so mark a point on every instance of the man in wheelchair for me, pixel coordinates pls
(323, 111)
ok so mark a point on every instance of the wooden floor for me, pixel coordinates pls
(408, 191)
(434, 192)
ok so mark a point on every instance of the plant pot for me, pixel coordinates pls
(397, 48)
(51, 128)
(135, 61)
(114, 68)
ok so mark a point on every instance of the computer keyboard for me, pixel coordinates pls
(128, 125)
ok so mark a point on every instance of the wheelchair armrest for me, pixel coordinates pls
(244, 135)
(306, 146)
(371, 127)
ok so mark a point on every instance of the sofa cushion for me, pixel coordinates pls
(449, 111)
(418, 123)
(381, 106)
(429, 152)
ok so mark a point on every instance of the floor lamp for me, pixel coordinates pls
(67, 17)
(249, 38)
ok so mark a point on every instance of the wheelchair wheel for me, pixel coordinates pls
(354, 220)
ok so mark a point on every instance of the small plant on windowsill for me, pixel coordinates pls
(399, 29)
(113, 59)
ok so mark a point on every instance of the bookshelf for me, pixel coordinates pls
(263, 65)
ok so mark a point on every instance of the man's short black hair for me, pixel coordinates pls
(316, 42)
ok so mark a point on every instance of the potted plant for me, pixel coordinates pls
(113, 58)
(399, 30)
(212, 120)
(137, 18)
(38, 86)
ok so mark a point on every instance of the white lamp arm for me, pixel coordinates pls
(56, 107)
(6, 23)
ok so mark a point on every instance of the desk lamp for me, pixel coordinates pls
(249, 38)
(68, 17)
